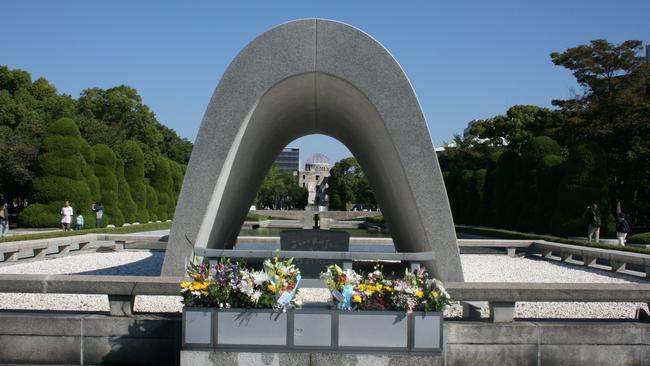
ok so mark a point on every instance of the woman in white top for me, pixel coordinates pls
(66, 216)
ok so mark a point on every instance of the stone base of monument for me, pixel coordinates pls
(218, 358)
(312, 330)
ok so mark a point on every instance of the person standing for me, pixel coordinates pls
(79, 222)
(622, 228)
(4, 218)
(66, 216)
(593, 222)
(98, 209)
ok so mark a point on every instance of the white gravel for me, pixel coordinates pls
(476, 267)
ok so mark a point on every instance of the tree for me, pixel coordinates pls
(347, 184)
(26, 110)
(60, 165)
(113, 115)
(613, 111)
(514, 129)
(105, 168)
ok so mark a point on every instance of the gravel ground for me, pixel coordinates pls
(476, 267)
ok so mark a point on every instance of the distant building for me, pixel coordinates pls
(647, 52)
(288, 159)
(314, 178)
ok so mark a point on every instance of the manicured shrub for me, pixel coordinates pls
(134, 175)
(504, 201)
(526, 190)
(487, 212)
(161, 181)
(152, 203)
(61, 176)
(40, 215)
(549, 174)
(641, 238)
(176, 172)
(92, 181)
(105, 165)
(127, 205)
(584, 182)
(468, 192)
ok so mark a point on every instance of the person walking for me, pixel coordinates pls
(622, 228)
(79, 222)
(592, 216)
(98, 209)
(4, 218)
(66, 216)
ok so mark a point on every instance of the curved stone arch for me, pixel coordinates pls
(306, 77)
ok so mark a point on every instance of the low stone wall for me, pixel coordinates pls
(147, 339)
(89, 339)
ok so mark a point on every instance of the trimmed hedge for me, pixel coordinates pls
(584, 183)
(161, 181)
(134, 175)
(640, 238)
(105, 165)
(152, 203)
(127, 205)
(61, 166)
(255, 217)
(509, 234)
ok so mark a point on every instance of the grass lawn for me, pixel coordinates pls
(116, 230)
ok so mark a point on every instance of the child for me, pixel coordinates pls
(79, 222)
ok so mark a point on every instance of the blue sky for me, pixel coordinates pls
(466, 60)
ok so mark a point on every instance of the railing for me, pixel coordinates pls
(502, 297)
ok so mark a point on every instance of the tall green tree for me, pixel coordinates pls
(347, 184)
(613, 111)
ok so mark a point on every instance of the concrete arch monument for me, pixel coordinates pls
(307, 77)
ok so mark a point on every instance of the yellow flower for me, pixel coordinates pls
(419, 293)
(389, 289)
(186, 284)
(356, 298)
(271, 287)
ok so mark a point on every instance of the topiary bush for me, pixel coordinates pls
(127, 205)
(105, 165)
(584, 182)
(92, 181)
(548, 176)
(526, 190)
(61, 166)
(161, 181)
(134, 175)
(640, 238)
(152, 203)
(177, 175)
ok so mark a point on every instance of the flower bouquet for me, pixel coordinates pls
(414, 291)
(341, 285)
(230, 284)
